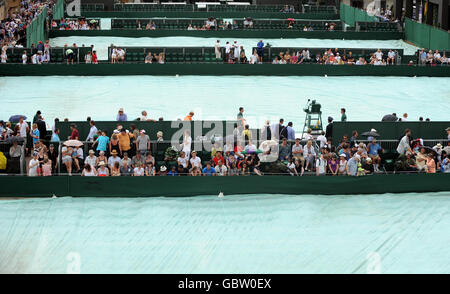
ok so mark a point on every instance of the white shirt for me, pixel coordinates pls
(23, 129)
(379, 55)
(253, 59)
(92, 132)
(182, 161)
(33, 170)
(24, 58)
(403, 145)
(196, 162)
(227, 48)
(320, 165)
(139, 171)
(323, 140)
(391, 54)
(221, 170)
(91, 160)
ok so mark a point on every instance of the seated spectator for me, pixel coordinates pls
(139, 170)
(208, 170)
(373, 149)
(221, 169)
(254, 163)
(89, 171)
(173, 172)
(115, 170)
(102, 171)
(125, 169)
(310, 155)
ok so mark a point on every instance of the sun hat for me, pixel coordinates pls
(116, 131)
(114, 152)
(447, 129)
(373, 130)
(357, 156)
(369, 159)
(159, 133)
(121, 109)
(142, 132)
(342, 155)
(438, 145)
(163, 168)
(91, 151)
(101, 163)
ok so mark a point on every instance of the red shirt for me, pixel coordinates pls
(94, 58)
(75, 135)
(216, 159)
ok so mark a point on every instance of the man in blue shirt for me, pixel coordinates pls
(121, 116)
(373, 150)
(102, 142)
(208, 170)
(173, 172)
(259, 50)
(290, 132)
(352, 165)
(35, 134)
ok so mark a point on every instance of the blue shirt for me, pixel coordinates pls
(102, 141)
(35, 133)
(352, 166)
(260, 45)
(373, 149)
(171, 173)
(121, 117)
(55, 138)
(291, 133)
(208, 172)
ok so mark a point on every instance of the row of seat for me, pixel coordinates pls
(56, 54)
(175, 56)
(190, 7)
(378, 27)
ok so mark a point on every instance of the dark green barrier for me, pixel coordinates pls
(197, 127)
(36, 30)
(426, 36)
(391, 130)
(258, 34)
(351, 15)
(215, 14)
(192, 186)
(220, 69)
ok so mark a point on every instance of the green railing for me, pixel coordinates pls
(426, 36)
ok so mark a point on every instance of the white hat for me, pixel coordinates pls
(121, 109)
(342, 155)
(163, 168)
(373, 130)
(142, 131)
(116, 131)
(358, 157)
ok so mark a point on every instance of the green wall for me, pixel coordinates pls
(76, 186)
(392, 130)
(58, 9)
(351, 15)
(423, 35)
(220, 69)
(36, 30)
(260, 34)
(216, 14)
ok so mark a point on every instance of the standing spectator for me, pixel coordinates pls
(343, 115)
(403, 145)
(217, 50)
(143, 143)
(75, 135)
(290, 132)
(92, 131)
(329, 129)
(121, 116)
(259, 50)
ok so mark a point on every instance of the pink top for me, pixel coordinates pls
(47, 170)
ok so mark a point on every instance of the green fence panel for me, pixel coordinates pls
(192, 186)
(426, 36)
(36, 30)
(58, 10)
(350, 15)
